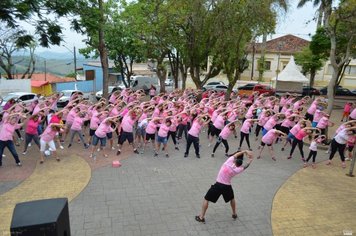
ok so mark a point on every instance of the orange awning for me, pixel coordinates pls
(36, 83)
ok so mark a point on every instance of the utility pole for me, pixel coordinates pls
(253, 59)
(45, 65)
(75, 62)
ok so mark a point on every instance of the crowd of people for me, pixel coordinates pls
(130, 116)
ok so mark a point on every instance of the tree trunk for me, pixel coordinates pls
(320, 16)
(195, 75)
(312, 77)
(231, 84)
(161, 73)
(261, 66)
(331, 90)
(102, 51)
(183, 72)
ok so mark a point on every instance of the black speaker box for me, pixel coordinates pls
(48, 217)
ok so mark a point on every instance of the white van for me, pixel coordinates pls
(143, 82)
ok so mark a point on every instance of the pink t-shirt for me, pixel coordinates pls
(77, 123)
(287, 123)
(317, 116)
(347, 107)
(55, 120)
(7, 130)
(70, 117)
(353, 114)
(32, 126)
(127, 124)
(163, 130)
(49, 134)
(351, 141)
(323, 122)
(270, 137)
(103, 129)
(228, 170)
(94, 122)
(270, 123)
(295, 129)
(301, 134)
(311, 110)
(226, 132)
(151, 127)
(245, 128)
(219, 122)
(195, 129)
(152, 92)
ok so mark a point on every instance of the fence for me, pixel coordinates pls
(16, 85)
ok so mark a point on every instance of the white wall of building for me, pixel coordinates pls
(16, 85)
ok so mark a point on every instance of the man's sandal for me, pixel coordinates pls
(197, 218)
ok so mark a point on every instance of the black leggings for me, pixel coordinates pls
(173, 135)
(300, 146)
(191, 139)
(243, 136)
(18, 132)
(312, 154)
(335, 146)
(258, 129)
(224, 141)
(29, 138)
(182, 128)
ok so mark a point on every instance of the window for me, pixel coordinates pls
(89, 74)
(352, 70)
(267, 65)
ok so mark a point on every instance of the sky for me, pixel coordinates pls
(297, 21)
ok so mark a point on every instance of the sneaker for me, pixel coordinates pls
(118, 152)
(198, 156)
(290, 157)
(142, 151)
(167, 155)
(98, 150)
(18, 164)
(185, 155)
(209, 144)
(327, 152)
(234, 216)
(3, 155)
(61, 147)
(197, 218)
(347, 159)
(86, 146)
(135, 151)
(69, 145)
(112, 148)
(226, 155)
(29, 145)
(282, 149)
(21, 138)
(24, 153)
(156, 154)
(343, 164)
(212, 155)
(176, 148)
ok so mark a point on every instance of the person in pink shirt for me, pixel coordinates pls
(324, 123)
(269, 138)
(229, 169)
(150, 130)
(298, 140)
(47, 138)
(76, 128)
(108, 125)
(245, 132)
(294, 130)
(31, 132)
(218, 125)
(7, 129)
(224, 135)
(162, 136)
(347, 110)
(69, 120)
(262, 120)
(272, 122)
(173, 132)
(353, 115)
(126, 129)
(193, 133)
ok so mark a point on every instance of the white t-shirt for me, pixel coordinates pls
(342, 137)
(313, 146)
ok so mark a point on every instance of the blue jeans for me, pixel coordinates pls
(10, 145)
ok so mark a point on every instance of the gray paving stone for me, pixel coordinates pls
(161, 196)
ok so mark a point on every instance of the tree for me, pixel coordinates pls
(36, 13)
(321, 5)
(281, 5)
(11, 42)
(309, 62)
(93, 18)
(340, 27)
(235, 25)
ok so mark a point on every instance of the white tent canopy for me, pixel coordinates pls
(291, 73)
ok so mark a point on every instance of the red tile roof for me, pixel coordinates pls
(285, 44)
(37, 83)
(50, 78)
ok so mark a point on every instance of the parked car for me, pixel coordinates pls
(217, 87)
(260, 88)
(111, 89)
(340, 91)
(168, 82)
(64, 100)
(143, 82)
(307, 90)
(20, 97)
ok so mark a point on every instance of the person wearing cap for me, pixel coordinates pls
(231, 167)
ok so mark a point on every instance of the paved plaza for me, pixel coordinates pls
(160, 196)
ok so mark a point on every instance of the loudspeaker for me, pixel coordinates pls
(48, 217)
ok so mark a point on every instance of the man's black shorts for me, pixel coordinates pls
(216, 190)
(125, 136)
